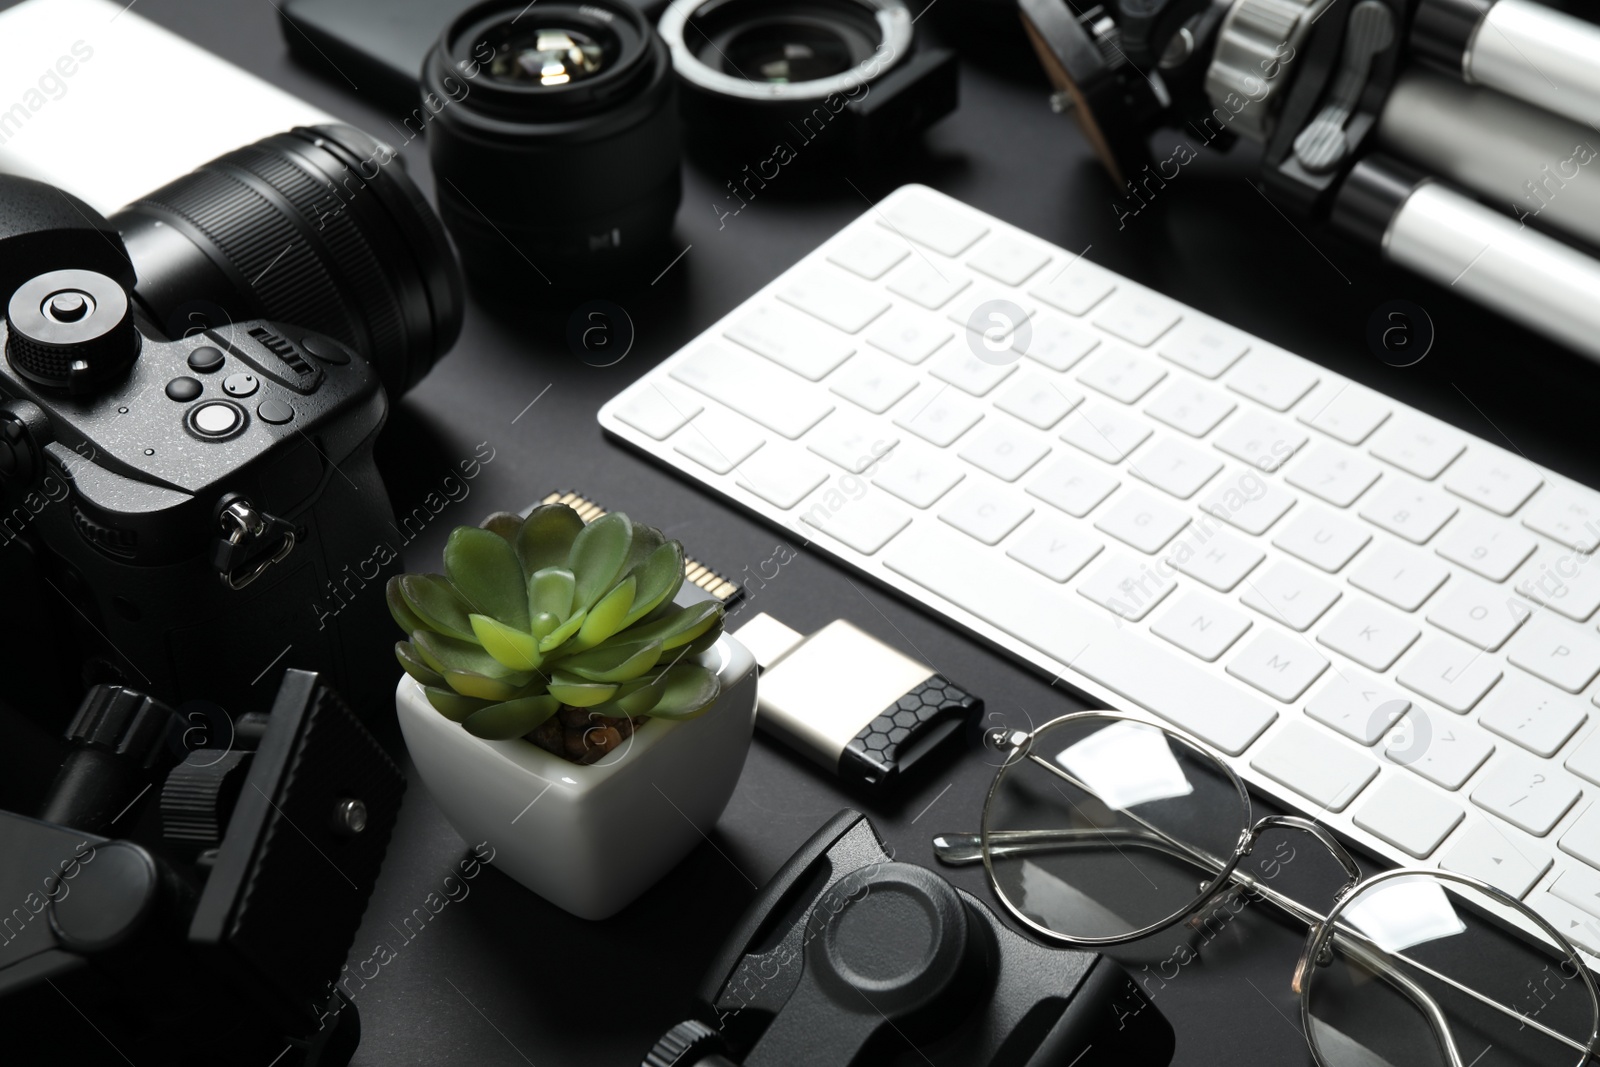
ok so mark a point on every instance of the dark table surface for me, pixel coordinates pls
(501, 977)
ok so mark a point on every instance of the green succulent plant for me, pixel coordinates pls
(537, 614)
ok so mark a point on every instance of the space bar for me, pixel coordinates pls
(1002, 594)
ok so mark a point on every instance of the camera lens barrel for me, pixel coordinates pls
(319, 227)
(555, 139)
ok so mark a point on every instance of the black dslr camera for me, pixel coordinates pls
(190, 392)
(848, 959)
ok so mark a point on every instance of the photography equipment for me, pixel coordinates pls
(849, 958)
(188, 497)
(801, 78)
(1352, 116)
(195, 910)
(1102, 829)
(555, 141)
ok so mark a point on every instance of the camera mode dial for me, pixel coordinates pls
(71, 329)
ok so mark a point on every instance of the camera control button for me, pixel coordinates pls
(276, 412)
(241, 385)
(184, 390)
(326, 350)
(216, 419)
(205, 360)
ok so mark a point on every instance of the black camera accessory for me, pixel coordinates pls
(846, 75)
(849, 958)
(555, 140)
(846, 700)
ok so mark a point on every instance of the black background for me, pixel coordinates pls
(504, 978)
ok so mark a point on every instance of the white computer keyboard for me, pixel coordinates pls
(1174, 516)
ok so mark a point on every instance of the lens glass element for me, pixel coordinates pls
(546, 56)
(781, 51)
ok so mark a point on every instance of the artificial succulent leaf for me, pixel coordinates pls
(680, 626)
(453, 705)
(511, 718)
(444, 653)
(415, 667)
(646, 539)
(606, 617)
(687, 690)
(551, 590)
(433, 600)
(483, 567)
(472, 684)
(516, 649)
(505, 523)
(597, 557)
(614, 663)
(546, 537)
(703, 643)
(399, 610)
(580, 692)
(659, 576)
(563, 633)
(633, 698)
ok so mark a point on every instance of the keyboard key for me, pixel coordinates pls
(938, 414)
(851, 441)
(753, 387)
(1585, 759)
(869, 253)
(1272, 377)
(1531, 714)
(908, 335)
(1499, 484)
(1558, 652)
(1486, 546)
(1103, 433)
(1357, 707)
(1580, 887)
(873, 382)
(1435, 746)
(658, 409)
(1568, 516)
(1290, 595)
(1190, 408)
(1204, 346)
(1401, 576)
(1120, 374)
(1334, 474)
(1078, 286)
(1039, 401)
(865, 524)
(918, 475)
(1260, 440)
(1055, 549)
(1201, 625)
(1418, 447)
(1582, 838)
(1527, 793)
(1058, 344)
(718, 440)
(957, 366)
(1563, 581)
(1344, 411)
(1477, 612)
(1244, 500)
(998, 322)
(1575, 924)
(1126, 586)
(1220, 561)
(1451, 672)
(1408, 815)
(1009, 260)
(1137, 316)
(1175, 468)
(833, 297)
(1311, 763)
(791, 340)
(1004, 449)
(1278, 665)
(1141, 521)
(1322, 539)
(1074, 487)
(923, 283)
(1408, 511)
(1485, 852)
(940, 225)
(1372, 636)
(1127, 663)
(983, 511)
(782, 479)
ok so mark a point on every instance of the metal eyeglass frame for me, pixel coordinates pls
(961, 849)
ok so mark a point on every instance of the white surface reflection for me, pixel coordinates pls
(1126, 764)
(1405, 912)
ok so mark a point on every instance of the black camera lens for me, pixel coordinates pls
(319, 227)
(784, 51)
(555, 139)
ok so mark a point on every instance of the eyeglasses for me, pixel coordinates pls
(1101, 829)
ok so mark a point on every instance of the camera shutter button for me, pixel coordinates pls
(216, 419)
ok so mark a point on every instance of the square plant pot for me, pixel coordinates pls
(590, 839)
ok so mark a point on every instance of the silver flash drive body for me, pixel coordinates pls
(851, 703)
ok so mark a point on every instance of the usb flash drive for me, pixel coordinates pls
(850, 702)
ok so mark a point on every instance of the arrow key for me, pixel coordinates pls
(1579, 926)
(1488, 853)
(1580, 887)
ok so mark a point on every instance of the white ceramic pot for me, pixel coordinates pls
(590, 839)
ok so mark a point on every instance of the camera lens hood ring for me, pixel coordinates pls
(894, 24)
